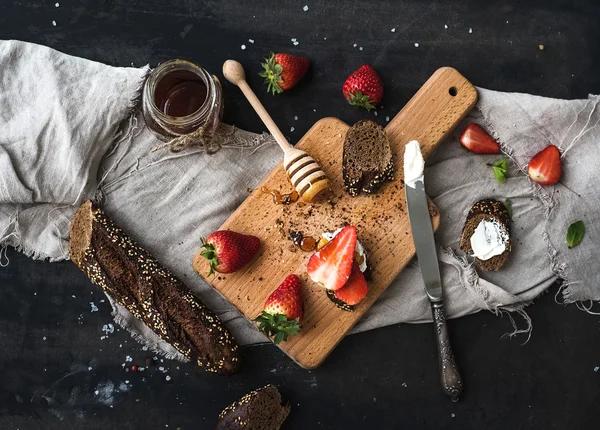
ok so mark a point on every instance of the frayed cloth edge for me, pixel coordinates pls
(472, 280)
(559, 268)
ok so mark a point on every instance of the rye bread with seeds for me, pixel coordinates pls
(367, 160)
(259, 410)
(487, 210)
(132, 277)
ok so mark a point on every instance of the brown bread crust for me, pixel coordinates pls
(487, 209)
(131, 276)
(259, 410)
(367, 159)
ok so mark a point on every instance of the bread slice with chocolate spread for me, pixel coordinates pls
(367, 159)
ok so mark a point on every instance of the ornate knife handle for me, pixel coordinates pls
(449, 376)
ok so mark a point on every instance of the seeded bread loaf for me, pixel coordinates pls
(259, 410)
(486, 210)
(367, 159)
(132, 277)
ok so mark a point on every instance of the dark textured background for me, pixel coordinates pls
(52, 358)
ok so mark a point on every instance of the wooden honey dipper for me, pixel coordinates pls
(304, 173)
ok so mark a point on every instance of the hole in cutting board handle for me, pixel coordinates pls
(452, 91)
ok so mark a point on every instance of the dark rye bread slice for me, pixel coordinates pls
(131, 276)
(489, 210)
(259, 410)
(367, 160)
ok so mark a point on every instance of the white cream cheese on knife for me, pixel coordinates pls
(488, 240)
(414, 164)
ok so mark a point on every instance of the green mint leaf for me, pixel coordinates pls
(500, 168)
(508, 206)
(575, 234)
(503, 164)
(499, 174)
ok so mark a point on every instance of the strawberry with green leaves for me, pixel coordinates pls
(363, 88)
(283, 311)
(283, 71)
(228, 251)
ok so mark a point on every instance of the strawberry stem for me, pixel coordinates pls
(272, 74)
(359, 99)
(277, 326)
(210, 254)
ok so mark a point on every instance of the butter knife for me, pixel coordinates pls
(422, 232)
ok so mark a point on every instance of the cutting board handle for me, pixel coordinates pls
(435, 110)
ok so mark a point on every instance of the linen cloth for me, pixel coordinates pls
(61, 143)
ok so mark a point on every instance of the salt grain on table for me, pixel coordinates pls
(94, 307)
(56, 5)
(355, 45)
(446, 26)
(243, 47)
(168, 378)
(394, 30)
(54, 24)
(251, 40)
(470, 30)
(360, 49)
(305, 8)
(295, 118)
(416, 44)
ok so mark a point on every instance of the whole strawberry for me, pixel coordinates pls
(228, 251)
(283, 311)
(283, 71)
(363, 88)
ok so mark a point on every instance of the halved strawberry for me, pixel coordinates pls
(477, 140)
(355, 289)
(331, 266)
(545, 168)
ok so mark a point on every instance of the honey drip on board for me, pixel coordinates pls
(281, 199)
(305, 243)
(308, 244)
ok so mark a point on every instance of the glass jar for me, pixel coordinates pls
(179, 97)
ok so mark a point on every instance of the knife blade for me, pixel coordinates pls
(422, 233)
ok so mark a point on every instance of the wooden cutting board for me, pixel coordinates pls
(381, 219)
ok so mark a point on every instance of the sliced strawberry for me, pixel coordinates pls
(355, 289)
(545, 168)
(332, 265)
(477, 140)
